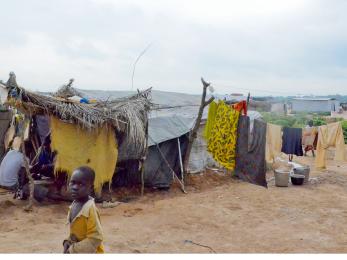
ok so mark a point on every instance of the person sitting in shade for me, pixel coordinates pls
(83, 216)
(45, 163)
(12, 167)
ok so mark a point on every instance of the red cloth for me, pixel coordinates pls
(241, 107)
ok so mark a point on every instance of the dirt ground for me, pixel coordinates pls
(219, 213)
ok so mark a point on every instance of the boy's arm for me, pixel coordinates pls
(94, 235)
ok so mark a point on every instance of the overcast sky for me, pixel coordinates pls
(268, 47)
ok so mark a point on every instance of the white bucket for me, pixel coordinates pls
(281, 178)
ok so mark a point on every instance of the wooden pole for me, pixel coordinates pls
(29, 206)
(193, 132)
(12, 84)
(143, 161)
(174, 175)
(180, 157)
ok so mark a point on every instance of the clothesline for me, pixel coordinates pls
(227, 134)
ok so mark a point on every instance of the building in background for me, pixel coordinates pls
(313, 104)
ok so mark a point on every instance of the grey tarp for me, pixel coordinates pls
(163, 131)
(157, 173)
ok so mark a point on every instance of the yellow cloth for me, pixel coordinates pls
(223, 136)
(86, 227)
(80, 147)
(273, 141)
(330, 135)
(211, 117)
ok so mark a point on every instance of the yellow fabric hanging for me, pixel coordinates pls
(330, 135)
(273, 141)
(211, 117)
(77, 147)
(223, 136)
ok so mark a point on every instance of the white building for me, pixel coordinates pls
(315, 105)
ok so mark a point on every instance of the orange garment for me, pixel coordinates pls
(241, 107)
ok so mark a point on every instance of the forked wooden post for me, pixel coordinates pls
(193, 132)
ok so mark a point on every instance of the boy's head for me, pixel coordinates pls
(81, 183)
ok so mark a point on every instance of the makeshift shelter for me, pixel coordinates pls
(167, 142)
(94, 126)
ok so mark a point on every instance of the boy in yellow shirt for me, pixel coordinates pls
(83, 216)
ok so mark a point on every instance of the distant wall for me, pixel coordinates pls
(278, 107)
(314, 105)
(343, 115)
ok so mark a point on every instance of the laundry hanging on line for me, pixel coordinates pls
(250, 156)
(211, 117)
(241, 107)
(292, 141)
(330, 135)
(273, 141)
(222, 138)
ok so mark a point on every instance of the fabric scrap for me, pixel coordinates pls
(75, 147)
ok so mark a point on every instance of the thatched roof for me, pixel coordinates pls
(127, 115)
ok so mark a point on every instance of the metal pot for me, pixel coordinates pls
(297, 179)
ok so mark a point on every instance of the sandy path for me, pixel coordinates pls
(228, 217)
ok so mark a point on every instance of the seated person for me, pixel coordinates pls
(12, 167)
(45, 163)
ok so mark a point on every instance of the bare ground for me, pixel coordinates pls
(218, 214)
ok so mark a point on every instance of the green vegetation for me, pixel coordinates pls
(297, 120)
(301, 120)
(344, 129)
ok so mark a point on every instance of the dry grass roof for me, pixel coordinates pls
(127, 115)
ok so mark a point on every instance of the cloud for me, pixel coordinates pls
(264, 46)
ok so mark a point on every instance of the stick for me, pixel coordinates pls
(168, 165)
(28, 207)
(137, 59)
(193, 132)
(142, 178)
(180, 157)
(192, 242)
(143, 162)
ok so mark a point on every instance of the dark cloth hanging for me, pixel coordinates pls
(250, 156)
(292, 141)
